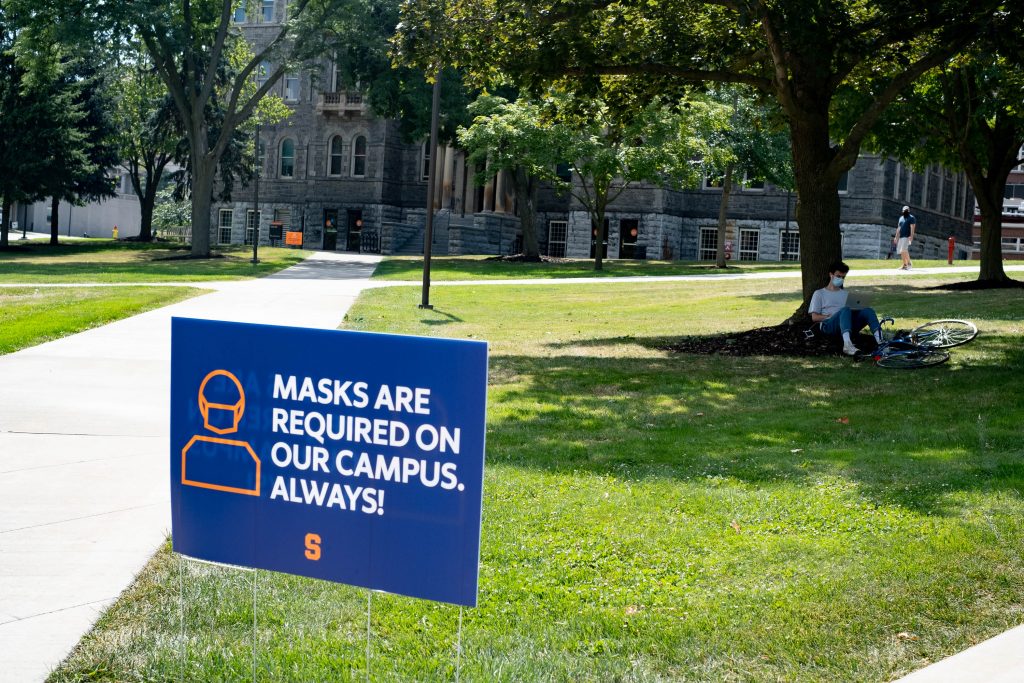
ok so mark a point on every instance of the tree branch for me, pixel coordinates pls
(848, 151)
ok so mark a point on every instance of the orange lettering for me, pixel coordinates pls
(313, 547)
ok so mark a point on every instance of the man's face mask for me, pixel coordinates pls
(838, 280)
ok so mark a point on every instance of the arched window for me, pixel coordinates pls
(287, 159)
(334, 164)
(359, 157)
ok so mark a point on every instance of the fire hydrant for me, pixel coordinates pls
(113, 234)
(952, 246)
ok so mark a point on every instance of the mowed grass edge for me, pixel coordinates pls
(30, 316)
(446, 268)
(652, 517)
(109, 261)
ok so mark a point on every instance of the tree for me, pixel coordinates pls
(607, 147)
(37, 119)
(512, 137)
(358, 38)
(188, 42)
(147, 131)
(80, 161)
(754, 145)
(812, 57)
(969, 115)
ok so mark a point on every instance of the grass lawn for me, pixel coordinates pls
(480, 268)
(656, 517)
(33, 316)
(102, 260)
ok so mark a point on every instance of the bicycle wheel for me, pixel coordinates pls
(941, 334)
(912, 359)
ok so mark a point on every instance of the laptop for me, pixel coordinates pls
(858, 300)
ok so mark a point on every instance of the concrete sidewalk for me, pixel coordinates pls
(84, 489)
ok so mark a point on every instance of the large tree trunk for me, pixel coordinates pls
(55, 221)
(525, 188)
(5, 224)
(723, 210)
(989, 193)
(146, 204)
(203, 175)
(817, 212)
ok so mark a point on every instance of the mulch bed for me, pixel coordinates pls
(779, 340)
(519, 258)
(189, 257)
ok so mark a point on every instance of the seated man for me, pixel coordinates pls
(828, 307)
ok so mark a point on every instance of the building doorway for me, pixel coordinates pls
(629, 230)
(330, 229)
(355, 229)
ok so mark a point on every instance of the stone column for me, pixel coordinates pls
(489, 193)
(500, 204)
(439, 170)
(448, 177)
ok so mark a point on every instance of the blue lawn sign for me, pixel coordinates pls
(346, 456)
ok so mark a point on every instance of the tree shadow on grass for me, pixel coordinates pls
(790, 421)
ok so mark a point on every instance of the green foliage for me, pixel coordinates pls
(42, 141)
(171, 211)
(832, 67)
(357, 36)
(968, 115)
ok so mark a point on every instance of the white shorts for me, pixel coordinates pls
(903, 245)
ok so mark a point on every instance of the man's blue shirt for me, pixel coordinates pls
(905, 223)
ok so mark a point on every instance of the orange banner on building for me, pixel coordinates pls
(293, 238)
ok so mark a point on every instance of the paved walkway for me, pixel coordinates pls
(84, 490)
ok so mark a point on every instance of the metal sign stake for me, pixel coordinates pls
(369, 602)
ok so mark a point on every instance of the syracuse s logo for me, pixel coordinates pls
(212, 462)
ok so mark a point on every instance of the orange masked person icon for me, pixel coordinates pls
(213, 462)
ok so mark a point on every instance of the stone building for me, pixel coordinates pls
(345, 180)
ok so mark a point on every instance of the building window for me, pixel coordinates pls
(708, 244)
(844, 183)
(1015, 244)
(261, 157)
(557, 231)
(267, 14)
(749, 242)
(227, 219)
(239, 17)
(425, 166)
(714, 182)
(359, 157)
(287, 158)
(334, 163)
(789, 245)
(252, 219)
(291, 88)
(753, 185)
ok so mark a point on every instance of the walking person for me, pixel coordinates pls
(904, 236)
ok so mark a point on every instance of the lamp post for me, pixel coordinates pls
(256, 201)
(428, 232)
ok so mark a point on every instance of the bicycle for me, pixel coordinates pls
(922, 346)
